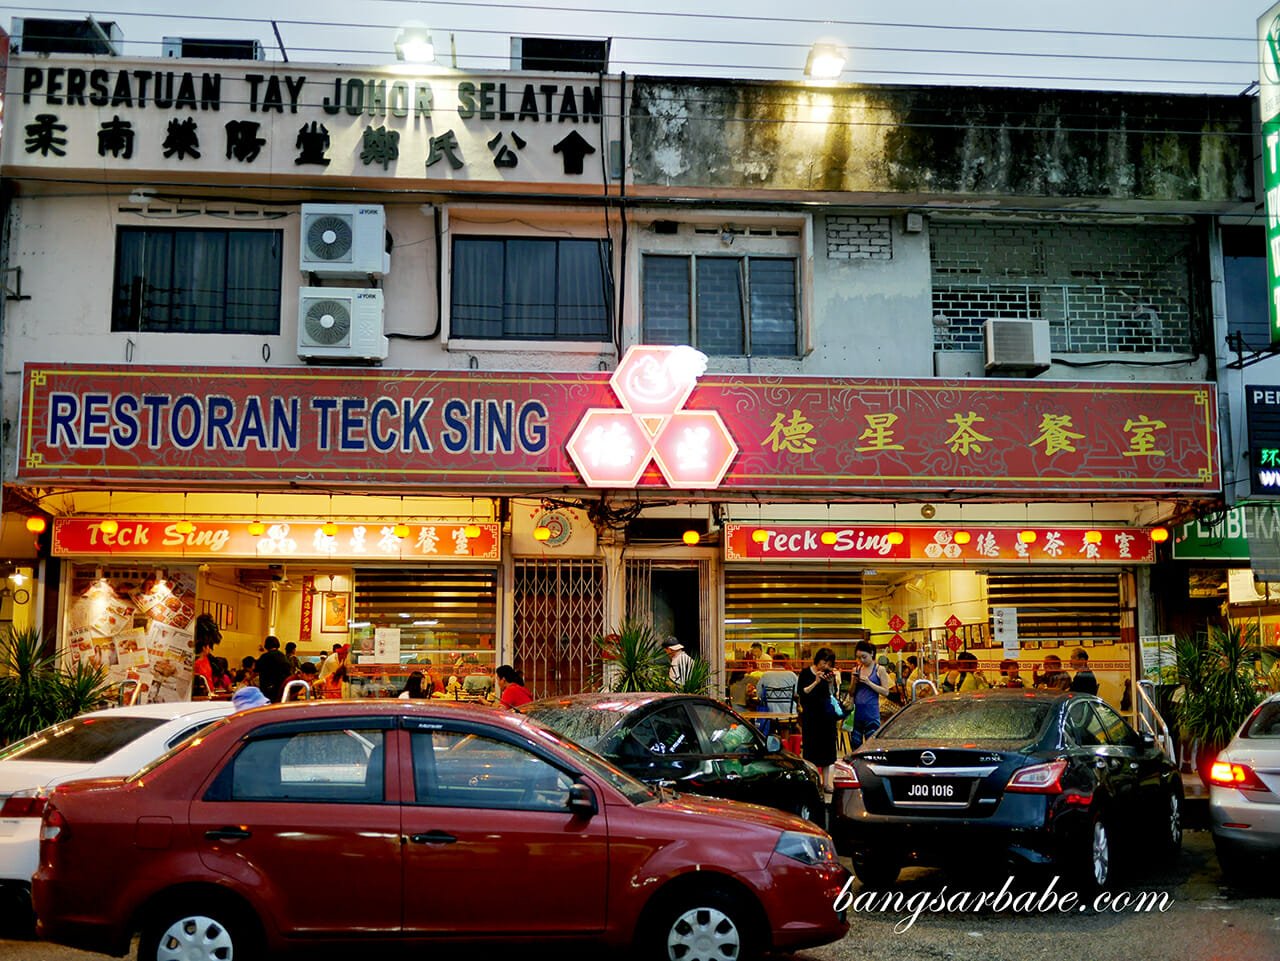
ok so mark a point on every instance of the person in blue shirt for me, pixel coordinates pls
(868, 684)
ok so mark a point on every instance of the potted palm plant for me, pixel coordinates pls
(1218, 689)
(634, 660)
(35, 692)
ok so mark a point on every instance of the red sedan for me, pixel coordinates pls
(298, 826)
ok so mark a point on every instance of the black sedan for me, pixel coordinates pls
(1007, 777)
(691, 743)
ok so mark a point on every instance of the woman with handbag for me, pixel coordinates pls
(818, 691)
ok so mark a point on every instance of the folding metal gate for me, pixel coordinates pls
(559, 611)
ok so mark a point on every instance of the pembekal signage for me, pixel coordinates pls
(278, 540)
(654, 424)
(978, 544)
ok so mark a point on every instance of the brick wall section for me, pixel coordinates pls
(859, 238)
(1103, 289)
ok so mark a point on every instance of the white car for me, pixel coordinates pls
(109, 743)
(1244, 793)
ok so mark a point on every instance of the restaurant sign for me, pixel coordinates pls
(976, 544)
(511, 431)
(278, 540)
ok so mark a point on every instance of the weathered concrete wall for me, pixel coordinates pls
(943, 142)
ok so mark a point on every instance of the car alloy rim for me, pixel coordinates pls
(1101, 853)
(195, 938)
(701, 934)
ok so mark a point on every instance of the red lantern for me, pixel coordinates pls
(897, 643)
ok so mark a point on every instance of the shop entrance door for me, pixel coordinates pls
(673, 599)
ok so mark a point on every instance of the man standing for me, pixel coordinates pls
(681, 663)
(273, 669)
(1084, 682)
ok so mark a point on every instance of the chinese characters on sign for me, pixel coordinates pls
(657, 421)
(386, 112)
(978, 543)
(374, 540)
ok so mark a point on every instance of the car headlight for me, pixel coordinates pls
(806, 848)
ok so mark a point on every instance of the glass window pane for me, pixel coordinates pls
(773, 306)
(662, 733)
(530, 299)
(720, 329)
(666, 300)
(582, 308)
(342, 766)
(253, 281)
(86, 741)
(476, 309)
(158, 281)
(725, 733)
(461, 769)
(126, 311)
(199, 277)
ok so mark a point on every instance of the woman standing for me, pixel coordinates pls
(815, 688)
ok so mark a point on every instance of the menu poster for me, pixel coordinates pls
(137, 626)
(1159, 659)
(386, 645)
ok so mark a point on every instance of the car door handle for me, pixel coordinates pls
(227, 834)
(433, 837)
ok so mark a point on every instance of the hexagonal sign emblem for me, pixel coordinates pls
(654, 379)
(694, 449)
(609, 448)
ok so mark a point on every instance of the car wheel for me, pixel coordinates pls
(1172, 841)
(203, 933)
(876, 871)
(1095, 856)
(709, 926)
(810, 810)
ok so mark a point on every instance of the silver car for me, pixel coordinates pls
(1244, 793)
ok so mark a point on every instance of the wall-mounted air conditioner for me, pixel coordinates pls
(344, 240)
(1016, 347)
(340, 323)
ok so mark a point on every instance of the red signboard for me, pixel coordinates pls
(280, 541)
(976, 544)
(510, 431)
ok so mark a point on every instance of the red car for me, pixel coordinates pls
(298, 826)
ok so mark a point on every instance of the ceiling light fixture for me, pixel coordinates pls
(825, 61)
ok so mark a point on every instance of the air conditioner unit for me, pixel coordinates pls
(343, 240)
(1016, 347)
(340, 323)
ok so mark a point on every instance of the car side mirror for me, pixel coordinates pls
(1148, 739)
(582, 801)
(773, 744)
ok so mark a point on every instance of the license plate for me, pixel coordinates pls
(930, 790)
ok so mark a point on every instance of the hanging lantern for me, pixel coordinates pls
(36, 525)
(691, 537)
(109, 526)
(542, 533)
(257, 528)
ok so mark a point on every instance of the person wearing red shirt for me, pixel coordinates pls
(511, 687)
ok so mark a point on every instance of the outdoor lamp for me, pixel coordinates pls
(542, 533)
(257, 528)
(825, 61)
(472, 531)
(1027, 537)
(691, 537)
(109, 526)
(413, 45)
(828, 537)
(36, 525)
(1160, 534)
(401, 531)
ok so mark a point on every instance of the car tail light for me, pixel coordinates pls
(54, 824)
(1038, 778)
(25, 804)
(845, 776)
(1239, 776)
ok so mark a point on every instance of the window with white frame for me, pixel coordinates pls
(531, 288)
(730, 292)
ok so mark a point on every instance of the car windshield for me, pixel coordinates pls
(82, 740)
(585, 723)
(1265, 721)
(635, 791)
(969, 719)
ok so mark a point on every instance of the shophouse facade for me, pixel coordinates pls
(392, 356)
